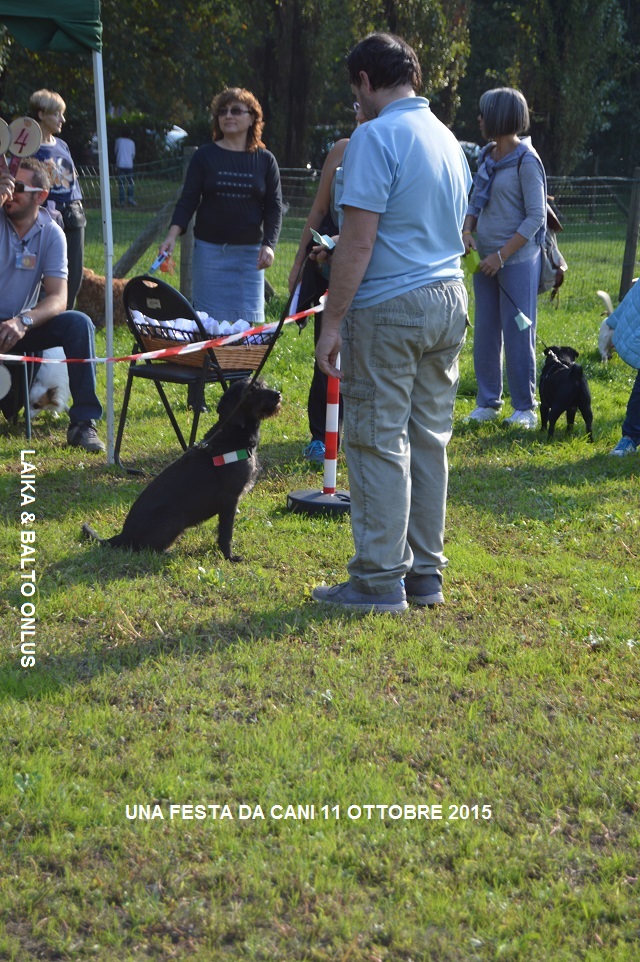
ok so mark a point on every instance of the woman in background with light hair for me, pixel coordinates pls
(507, 212)
(48, 108)
(233, 187)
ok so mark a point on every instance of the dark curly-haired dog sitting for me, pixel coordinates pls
(208, 479)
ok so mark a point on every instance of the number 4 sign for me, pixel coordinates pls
(21, 138)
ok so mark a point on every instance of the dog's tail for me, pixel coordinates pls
(90, 535)
(606, 300)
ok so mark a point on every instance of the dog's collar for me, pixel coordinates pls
(242, 455)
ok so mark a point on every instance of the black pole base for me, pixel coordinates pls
(316, 502)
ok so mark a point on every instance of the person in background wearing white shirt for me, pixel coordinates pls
(125, 153)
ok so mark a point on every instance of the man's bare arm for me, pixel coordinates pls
(348, 266)
(53, 303)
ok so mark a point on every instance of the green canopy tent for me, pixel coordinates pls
(74, 26)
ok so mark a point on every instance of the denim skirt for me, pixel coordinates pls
(226, 283)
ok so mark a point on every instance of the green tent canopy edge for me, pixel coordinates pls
(69, 26)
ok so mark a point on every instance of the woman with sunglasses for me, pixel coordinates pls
(233, 187)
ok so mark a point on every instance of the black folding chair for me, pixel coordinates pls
(157, 301)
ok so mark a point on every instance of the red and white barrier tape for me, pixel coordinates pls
(188, 348)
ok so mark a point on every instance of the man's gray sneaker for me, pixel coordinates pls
(349, 597)
(424, 590)
(84, 435)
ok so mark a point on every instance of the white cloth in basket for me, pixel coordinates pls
(186, 325)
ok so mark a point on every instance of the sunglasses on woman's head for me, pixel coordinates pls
(20, 188)
(234, 111)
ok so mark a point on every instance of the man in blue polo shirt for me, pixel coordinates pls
(396, 313)
(33, 259)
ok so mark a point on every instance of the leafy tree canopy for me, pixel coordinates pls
(575, 61)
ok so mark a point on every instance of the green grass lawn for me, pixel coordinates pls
(510, 715)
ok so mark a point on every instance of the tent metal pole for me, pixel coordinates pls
(107, 236)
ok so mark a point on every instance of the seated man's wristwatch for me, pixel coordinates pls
(26, 319)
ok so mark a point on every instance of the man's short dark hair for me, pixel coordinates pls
(387, 60)
(39, 173)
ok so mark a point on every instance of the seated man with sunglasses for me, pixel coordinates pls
(33, 257)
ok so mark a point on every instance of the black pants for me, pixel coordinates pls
(75, 258)
(313, 285)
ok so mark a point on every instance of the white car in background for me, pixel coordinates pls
(174, 137)
(171, 140)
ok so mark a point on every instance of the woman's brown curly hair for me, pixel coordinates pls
(238, 95)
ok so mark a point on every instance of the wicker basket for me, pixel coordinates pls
(241, 356)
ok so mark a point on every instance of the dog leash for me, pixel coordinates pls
(256, 374)
(556, 360)
(279, 326)
(538, 338)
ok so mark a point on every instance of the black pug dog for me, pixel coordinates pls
(563, 387)
(208, 479)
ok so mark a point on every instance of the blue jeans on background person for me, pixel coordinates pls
(631, 425)
(125, 176)
(74, 332)
(400, 377)
(495, 327)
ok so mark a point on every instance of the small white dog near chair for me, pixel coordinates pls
(49, 389)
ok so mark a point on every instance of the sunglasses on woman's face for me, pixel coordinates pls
(234, 111)
(20, 188)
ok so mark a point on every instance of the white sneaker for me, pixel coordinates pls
(523, 419)
(483, 414)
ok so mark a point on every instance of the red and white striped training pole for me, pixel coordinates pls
(330, 500)
(331, 434)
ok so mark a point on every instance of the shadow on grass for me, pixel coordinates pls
(53, 673)
(495, 434)
(99, 488)
(514, 475)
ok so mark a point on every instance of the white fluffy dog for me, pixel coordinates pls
(50, 387)
(605, 337)
(605, 343)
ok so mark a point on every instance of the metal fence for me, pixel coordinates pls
(600, 220)
(599, 215)
(156, 188)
